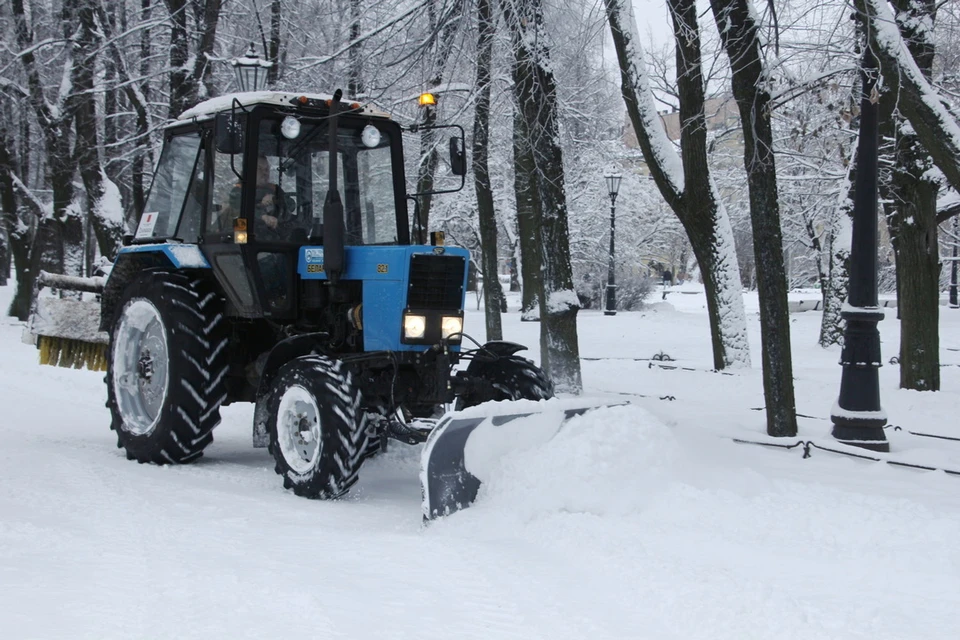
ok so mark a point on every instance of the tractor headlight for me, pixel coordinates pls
(414, 326)
(451, 325)
(290, 127)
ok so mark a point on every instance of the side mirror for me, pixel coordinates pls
(228, 132)
(458, 161)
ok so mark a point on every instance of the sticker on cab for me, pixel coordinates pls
(148, 222)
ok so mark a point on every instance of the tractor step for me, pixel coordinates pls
(415, 432)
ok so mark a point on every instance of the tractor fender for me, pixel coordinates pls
(281, 353)
(502, 348)
(285, 351)
(133, 260)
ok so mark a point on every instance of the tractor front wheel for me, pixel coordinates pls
(317, 431)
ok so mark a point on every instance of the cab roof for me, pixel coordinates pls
(209, 108)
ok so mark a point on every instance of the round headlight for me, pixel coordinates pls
(290, 127)
(414, 326)
(450, 325)
(370, 136)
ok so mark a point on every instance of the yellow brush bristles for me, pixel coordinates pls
(72, 354)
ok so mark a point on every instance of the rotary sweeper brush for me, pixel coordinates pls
(67, 331)
(275, 262)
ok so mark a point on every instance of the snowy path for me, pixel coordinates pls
(635, 522)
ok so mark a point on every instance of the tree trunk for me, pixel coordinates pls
(528, 229)
(487, 217)
(741, 40)
(185, 80)
(684, 181)
(911, 200)
(181, 93)
(106, 221)
(18, 233)
(273, 49)
(935, 126)
(536, 94)
(837, 283)
(918, 263)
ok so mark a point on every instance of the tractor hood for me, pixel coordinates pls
(419, 278)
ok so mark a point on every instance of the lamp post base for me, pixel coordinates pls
(857, 417)
(863, 432)
(611, 305)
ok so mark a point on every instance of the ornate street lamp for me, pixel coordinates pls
(856, 415)
(953, 264)
(613, 186)
(251, 71)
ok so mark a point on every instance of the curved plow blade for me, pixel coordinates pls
(465, 446)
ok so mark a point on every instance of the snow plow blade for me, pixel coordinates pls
(465, 446)
(67, 331)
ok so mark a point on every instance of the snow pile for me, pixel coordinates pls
(610, 461)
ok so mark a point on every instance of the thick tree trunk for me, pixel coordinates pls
(487, 217)
(934, 124)
(536, 94)
(918, 263)
(741, 39)
(185, 79)
(182, 94)
(684, 181)
(18, 233)
(528, 229)
(911, 200)
(57, 244)
(105, 221)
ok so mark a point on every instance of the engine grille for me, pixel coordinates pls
(436, 282)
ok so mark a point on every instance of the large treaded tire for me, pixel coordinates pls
(320, 394)
(509, 378)
(191, 315)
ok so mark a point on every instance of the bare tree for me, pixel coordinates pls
(740, 34)
(487, 217)
(685, 181)
(536, 95)
(186, 79)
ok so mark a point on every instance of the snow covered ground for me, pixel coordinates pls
(634, 522)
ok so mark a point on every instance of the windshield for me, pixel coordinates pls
(293, 178)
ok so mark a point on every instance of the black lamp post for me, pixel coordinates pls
(613, 186)
(857, 417)
(251, 71)
(953, 263)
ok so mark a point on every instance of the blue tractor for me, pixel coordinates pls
(275, 263)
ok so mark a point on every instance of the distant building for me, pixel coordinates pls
(721, 114)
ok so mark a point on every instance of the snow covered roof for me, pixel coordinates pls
(209, 108)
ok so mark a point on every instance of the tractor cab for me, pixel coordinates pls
(245, 178)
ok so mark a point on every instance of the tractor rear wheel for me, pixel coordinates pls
(318, 432)
(507, 378)
(166, 367)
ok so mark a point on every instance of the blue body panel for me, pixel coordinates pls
(385, 272)
(181, 256)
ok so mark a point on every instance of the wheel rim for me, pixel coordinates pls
(298, 429)
(141, 366)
